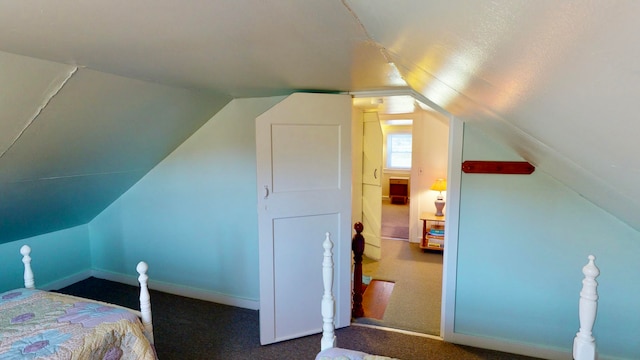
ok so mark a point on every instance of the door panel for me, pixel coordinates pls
(371, 185)
(306, 157)
(303, 151)
(291, 300)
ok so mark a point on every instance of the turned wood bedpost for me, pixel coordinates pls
(145, 299)
(29, 281)
(357, 246)
(328, 303)
(584, 344)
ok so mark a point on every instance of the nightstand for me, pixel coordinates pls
(398, 190)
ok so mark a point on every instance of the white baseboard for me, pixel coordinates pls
(59, 284)
(509, 347)
(180, 290)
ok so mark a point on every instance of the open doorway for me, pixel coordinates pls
(397, 141)
(414, 301)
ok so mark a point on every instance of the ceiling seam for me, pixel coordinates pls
(381, 48)
(40, 109)
(77, 176)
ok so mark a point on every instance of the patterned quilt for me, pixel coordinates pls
(346, 354)
(36, 324)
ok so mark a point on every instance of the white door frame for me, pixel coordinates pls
(454, 175)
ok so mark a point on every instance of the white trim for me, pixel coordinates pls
(450, 260)
(533, 350)
(383, 92)
(180, 290)
(399, 92)
(406, 332)
(64, 282)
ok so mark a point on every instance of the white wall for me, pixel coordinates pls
(193, 217)
(523, 240)
(430, 152)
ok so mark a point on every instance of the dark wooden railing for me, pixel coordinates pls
(357, 246)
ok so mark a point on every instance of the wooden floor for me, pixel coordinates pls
(376, 297)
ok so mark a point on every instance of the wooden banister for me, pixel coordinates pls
(357, 246)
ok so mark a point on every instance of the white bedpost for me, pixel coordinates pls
(145, 299)
(584, 344)
(29, 281)
(328, 303)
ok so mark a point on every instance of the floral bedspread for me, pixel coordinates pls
(36, 324)
(347, 354)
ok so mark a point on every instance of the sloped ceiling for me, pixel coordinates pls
(95, 93)
(73, 140)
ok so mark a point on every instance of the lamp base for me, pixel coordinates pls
(439, 207)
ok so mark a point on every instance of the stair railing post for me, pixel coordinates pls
(357, 246)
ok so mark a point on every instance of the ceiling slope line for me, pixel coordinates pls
(40, 109)
(382, 49)
(77, 176)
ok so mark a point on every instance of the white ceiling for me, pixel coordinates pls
(555, 80)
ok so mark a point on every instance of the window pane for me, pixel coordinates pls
(401, 160)
(399, 151)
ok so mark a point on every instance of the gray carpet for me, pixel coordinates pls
(415, 302)
(194, 329)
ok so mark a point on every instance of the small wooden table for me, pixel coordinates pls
(429, 219)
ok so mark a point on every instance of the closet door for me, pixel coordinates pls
(304, 190)
(372, 185)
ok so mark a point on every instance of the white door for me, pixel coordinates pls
(303, 147)
(371, 185)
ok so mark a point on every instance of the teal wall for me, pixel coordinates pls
(55, 256)
(193, 218)
(523, 240)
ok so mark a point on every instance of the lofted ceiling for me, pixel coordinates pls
(95, 93)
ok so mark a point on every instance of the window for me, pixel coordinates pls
(399, 151)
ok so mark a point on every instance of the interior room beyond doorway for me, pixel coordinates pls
(405, 193)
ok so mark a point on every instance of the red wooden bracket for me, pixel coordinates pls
(497, 167)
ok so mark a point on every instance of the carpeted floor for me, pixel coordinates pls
(415, 302)
(395, 220)
(193, 329)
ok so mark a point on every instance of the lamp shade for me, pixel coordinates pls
(439, 185)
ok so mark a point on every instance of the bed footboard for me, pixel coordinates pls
(328, 303)
(584, 344)
(29, 281)
(145, 299)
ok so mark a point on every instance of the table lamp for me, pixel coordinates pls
(440, 185)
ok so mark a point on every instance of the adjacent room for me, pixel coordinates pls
(404, 283)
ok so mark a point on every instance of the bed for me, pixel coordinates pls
(584, 344)
(47, 325)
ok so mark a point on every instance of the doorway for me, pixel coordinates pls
(415, 302)
(397, 140)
